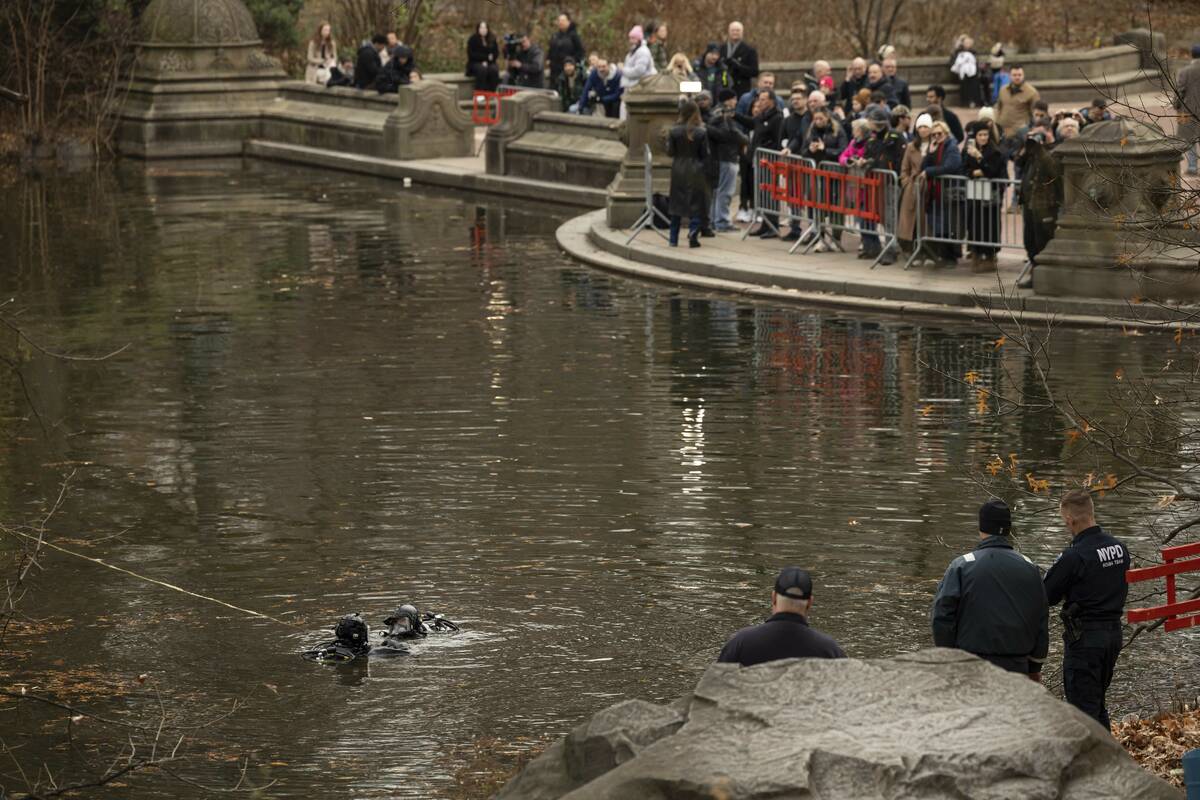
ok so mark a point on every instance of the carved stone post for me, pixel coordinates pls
(653, 106)
(199, 82)
(1120, 231)
(516, 119)
(428, 123)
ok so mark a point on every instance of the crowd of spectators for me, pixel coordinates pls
(866, 120)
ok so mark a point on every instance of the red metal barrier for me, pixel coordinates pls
(820, 189)
(1179, 614)
(485, 106)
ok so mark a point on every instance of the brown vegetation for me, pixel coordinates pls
(1158, 743)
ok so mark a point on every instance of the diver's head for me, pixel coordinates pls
(404, 621)
(352, 632)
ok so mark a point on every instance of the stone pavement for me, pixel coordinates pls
(764, 269)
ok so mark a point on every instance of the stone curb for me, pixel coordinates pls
(589, 239)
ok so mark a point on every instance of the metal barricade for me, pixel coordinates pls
(650, 213)
(485, 106)
(770, 183)
(862, 202)
(957, 211)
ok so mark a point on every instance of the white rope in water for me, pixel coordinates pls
(146, 578)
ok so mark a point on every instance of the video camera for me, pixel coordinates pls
(512, 46)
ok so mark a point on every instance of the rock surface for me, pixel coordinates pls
(937, 724)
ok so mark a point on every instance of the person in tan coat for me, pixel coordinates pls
(1188, 106)
(322, 56)
(910, 173)
(1014, 106)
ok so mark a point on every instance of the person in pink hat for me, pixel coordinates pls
(639, 63)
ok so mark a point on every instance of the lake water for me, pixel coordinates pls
(338, 395)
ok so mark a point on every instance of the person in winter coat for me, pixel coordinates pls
(766, 132)
(1041, 197)
(854, 156)
(965, 65)
(936, 96)
(899, 85)
(483, 56)
(727, 141)
(370, 62)
(878, 82)
(603, 88)
(999, 72)
(711, 70)
(824, 142)
(681, 68)
(986, 119)
(399, 71)
(528, 65)
(983, 160)
(943, 158)
(639, 64)
(564, 43)
(740, 59)
(657, 42)
(1187, 103)
(570, 85)
(687, 145)
(856, 80)
(910, 176)
(885, 151)
(322, 56)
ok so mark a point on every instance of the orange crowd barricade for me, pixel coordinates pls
(485, 106)
(825, 198)
(1178, 614)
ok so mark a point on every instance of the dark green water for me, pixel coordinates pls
(340, 394)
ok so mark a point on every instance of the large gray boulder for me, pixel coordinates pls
(937, 724)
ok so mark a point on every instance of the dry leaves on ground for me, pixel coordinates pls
(1159, 743)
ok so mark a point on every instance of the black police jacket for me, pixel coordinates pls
(783, 635)
(991, 602)
(1091, 574)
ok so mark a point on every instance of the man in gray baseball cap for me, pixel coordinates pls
(786, 633)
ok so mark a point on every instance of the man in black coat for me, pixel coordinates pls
(899, 85)
(786, 633)
(527, 67)
(991, 601)
(936, 96)
(370, 62)
(885, 151)
(857, 79)
(740, 59)
(564, 43)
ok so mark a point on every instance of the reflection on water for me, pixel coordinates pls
(341, 395)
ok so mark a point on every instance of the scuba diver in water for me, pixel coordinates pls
(352, 641)
(404, 626)
(407, 624)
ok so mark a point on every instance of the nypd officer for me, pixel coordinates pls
(1089, 580)
(785, 634)
(991, 601)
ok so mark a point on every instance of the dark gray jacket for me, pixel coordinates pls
(991, 602)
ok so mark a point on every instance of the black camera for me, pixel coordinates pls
(512, 45)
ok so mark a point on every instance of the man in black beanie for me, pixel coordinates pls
(991, 601)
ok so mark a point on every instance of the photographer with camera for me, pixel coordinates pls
(727, 142)
(526, 64)
(1041, 195)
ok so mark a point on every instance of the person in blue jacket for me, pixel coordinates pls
(603, 86)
